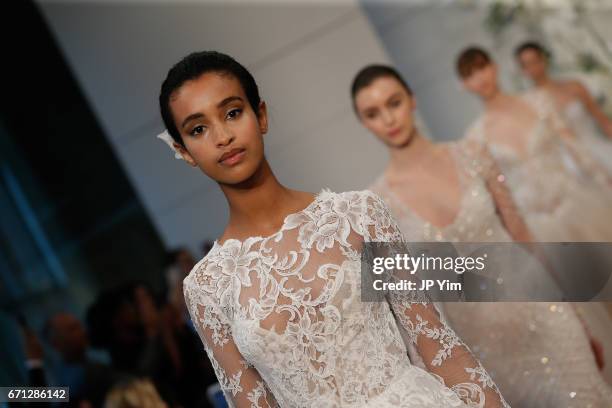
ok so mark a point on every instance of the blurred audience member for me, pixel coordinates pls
(140, 393)
(179, 264)
(148, 339)
(88, 380)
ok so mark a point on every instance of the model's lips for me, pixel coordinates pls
(232, 157)
(394, 132)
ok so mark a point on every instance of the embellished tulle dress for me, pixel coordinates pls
(557, 205)
(538, 353)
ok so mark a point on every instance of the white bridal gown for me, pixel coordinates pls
(536, 352)
(557, 205)
(283, 324)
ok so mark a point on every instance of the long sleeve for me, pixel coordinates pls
(481, 164)
(241, 383)
(444, 354)
(574, 146)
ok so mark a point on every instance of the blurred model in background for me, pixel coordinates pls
(438, 192)
(573, 100)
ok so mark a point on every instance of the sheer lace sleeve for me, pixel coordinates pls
(241, 383)
(444, 354)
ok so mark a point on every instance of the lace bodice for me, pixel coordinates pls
(283, 324)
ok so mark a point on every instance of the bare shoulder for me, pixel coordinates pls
(574, 87)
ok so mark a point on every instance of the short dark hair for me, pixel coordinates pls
(531, 45)
(193, 66)
(370, 73)
(472, 59)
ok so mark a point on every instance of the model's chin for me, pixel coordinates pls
(236, 176)
(400, 141)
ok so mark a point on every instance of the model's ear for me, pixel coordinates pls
(262, 118)
(185, 154)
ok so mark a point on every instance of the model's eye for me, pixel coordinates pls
(395, 103)
(234, 113)
(371, 114)
(198, 130)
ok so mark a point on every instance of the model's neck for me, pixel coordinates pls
(411, 155)
(255, 201)
(542, 82)
(494, 99)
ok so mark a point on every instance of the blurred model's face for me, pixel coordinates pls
(221, 132)
(386, 108)
(533, 64)
(482, 81)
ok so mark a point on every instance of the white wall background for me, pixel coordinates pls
(303, 56)
(423, 42)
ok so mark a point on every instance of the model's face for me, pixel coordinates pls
(482, 81)
(533, 64)
(385, 108)
(221, 132)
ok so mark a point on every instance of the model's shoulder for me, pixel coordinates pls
(366, 195)
(345, 202)
(202, 268)
(326, 195)
(572, 85)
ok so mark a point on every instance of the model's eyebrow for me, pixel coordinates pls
(192, 117)
(221, 104)
(395, 95)
(229, 100)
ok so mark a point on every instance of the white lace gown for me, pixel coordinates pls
(283, 324)
(585, 128)
(536, 352)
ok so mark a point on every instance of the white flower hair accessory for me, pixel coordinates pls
(165, 136)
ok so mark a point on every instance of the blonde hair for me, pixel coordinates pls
(139, 393)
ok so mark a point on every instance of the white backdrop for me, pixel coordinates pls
(303, 56)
